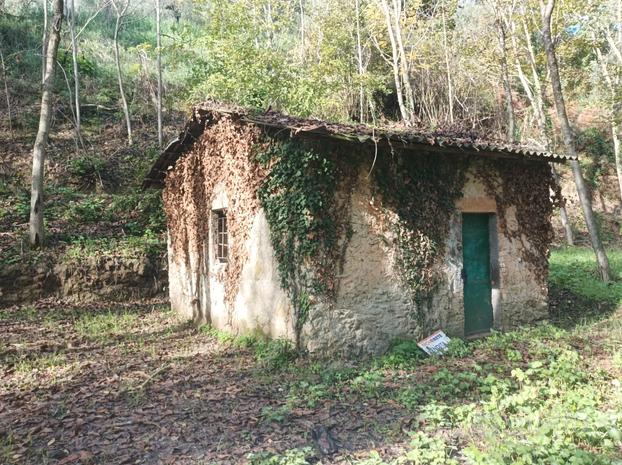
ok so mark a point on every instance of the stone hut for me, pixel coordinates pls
(344, 238)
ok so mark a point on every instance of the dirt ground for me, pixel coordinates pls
(144, 387)
(133, 384)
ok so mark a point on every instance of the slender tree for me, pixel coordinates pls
(450, 88)
(507, 84)
(6, 92)
(44, 40)
(121, 11)
(159, 66)
(569, 142)
(536, 100)
(401, 75)
(39, 150)
(612, 83)
(359, 61)
(71, 10)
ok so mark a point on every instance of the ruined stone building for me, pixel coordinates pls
(344, 238)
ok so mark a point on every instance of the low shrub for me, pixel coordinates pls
(92, 171)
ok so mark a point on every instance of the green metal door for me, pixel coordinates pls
(476, 273)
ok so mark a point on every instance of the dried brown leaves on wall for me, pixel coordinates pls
(223, 157)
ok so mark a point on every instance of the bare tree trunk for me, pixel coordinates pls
(395, 64)
(117, 58)
(359, 60)
(6, 92)
(539, 99)
(536, 100)
(159, 65)
(76, 76)
(302, 29)
(268, 10)
(560, 106)
(38, 152)
(563, 213)
(403, 60)
(450, 90)
(614, 109)
(507, 86)
(44, 48)
(403, 88)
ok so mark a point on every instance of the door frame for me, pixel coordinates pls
(495, 272)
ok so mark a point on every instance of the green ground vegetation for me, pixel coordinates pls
(550, 393)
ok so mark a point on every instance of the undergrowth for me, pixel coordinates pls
(531, 396)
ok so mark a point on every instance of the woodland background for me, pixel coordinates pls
(466, 67)
(87, 380)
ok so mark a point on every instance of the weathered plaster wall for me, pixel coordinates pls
(188, 284)
(372, 306)
(523, 297)
(197, 289)
(261, 305)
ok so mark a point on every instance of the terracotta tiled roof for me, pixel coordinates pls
(397, 138)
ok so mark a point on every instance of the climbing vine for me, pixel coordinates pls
(421, 190)
(523, 185)
(306, 218)
(224, 157)
(304, 188)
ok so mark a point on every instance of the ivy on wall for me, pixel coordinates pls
(523, 185)
(299, 196)
(304, 187)
(422, 190)
(223, 156)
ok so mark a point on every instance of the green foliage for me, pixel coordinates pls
(234, 57)
(307, 394)
(86, 210)
(596, 144)
(279, 414)
(290, 457)
(411, 397)
(574, 268)
(15, 206)
(25, 313)
(104, 326)
(298, 195)
(457, 348)
(143, 208)
(402, 354)
(91, 171)
(449, 385)
(337, 374)
(369, 384)
(422, 190)
(275, 354)
(130, 246)
(428, 450)
(554, 411)
(221, 336)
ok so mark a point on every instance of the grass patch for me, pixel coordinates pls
(271, 354)
(574, 269)
(22, 314)
(105, 326)
(128, 247)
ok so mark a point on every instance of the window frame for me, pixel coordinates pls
(221, 235)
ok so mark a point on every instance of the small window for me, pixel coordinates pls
(222, 236)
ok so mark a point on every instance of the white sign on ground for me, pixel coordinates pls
(435, 343)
